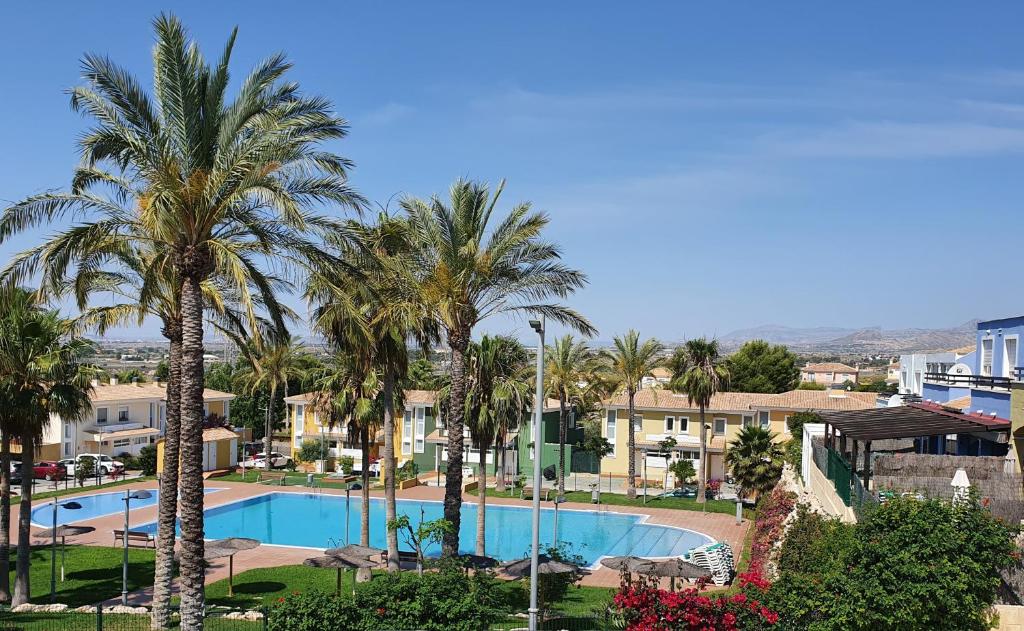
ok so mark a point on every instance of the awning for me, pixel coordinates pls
(123, 433)
(909, 421)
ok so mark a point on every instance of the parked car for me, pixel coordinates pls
(15, 473)
(69, 466)
(106, 465)
(49, 470)
(259, 461)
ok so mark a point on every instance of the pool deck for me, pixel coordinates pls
(716, 525)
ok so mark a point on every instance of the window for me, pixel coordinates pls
(689, 455)
(986, 357)
(765, 420)
(67, 449)
(67, 430)
(683, 424)
(748, 420)
(785, 424)
(421, 422)
(122, 442)
(101, 415)
(122, 414)
(1009, 355)
(670, 424)
(609, 429)
(142, 441)
(407, 433)
(300, 414)
(719, 427)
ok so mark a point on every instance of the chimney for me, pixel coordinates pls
(113, 381)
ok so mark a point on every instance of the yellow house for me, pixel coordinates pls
(661, 413)
(220, 450)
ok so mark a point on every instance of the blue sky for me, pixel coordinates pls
(709, 167)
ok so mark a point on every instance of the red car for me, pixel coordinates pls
(49, 470)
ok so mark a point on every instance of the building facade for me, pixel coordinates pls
(914, 366)
(829, 374)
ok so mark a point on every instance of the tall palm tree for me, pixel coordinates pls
(40, 363)
(755, 460)
(373, 298)
(628, 363)
(468, 270)
(570, 374)
(699, 373)
(270, 366)
(499, 390)
(211, 174)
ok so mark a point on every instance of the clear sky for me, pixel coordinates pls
(710, 166)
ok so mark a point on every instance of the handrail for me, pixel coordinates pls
(970, 381)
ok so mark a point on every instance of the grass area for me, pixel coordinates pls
(83, 489)
(91, 574)
(114, 622)
(292, 478)
(266, 585)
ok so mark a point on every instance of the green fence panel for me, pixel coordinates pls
(839, 473)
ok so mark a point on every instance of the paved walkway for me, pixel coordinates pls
(716, 525)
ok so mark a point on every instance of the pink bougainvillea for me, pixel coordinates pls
(647, 608)
(768, 528)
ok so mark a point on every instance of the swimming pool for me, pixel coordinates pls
(93, 506)
(318, 521)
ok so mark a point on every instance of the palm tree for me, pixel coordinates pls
(755, 460)
(571, 370)
(499, 390)
(211, 174)
(628, 363)
(39, 363)
(372, 298)
(698, 372)
(466, 271)
(270, 366)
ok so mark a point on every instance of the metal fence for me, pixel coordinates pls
(101, 620)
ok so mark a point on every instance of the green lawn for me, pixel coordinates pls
(266, 585)
(115, 622)
(292, 478)
(91, 574)
(83, 489)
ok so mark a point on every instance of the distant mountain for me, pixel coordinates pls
(867, 340)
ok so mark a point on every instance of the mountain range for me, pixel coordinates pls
(869, 340)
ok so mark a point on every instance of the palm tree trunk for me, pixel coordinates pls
(481, 500)
(192, 575)
(458, 341)
(267, 442)
(22, 589)
(5, 517)
(168, 510)
(390, 472)
(702, 474)
(563, 420)
(499, 473)
(631, 482)
(363, 574)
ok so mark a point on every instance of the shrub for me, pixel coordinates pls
(682, 469)
(310, 450)
(554, 587)
(147, 460)
(314, 611)
(643, 606)
(793, 453)
(810, 385)
(408, 471)
(714, 486)
(346, 463)
(772, 512)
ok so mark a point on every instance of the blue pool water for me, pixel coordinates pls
(318, 521)
(92, 506)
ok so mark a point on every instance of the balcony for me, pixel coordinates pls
(972, 381)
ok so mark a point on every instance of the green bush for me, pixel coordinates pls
(682, 469)
(346, 463)
(147, 460)
(311, 450)
(408, 471)
(810, 385)
(435, 601)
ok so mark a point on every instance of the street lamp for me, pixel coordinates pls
(72, 505)
(538, 414)
(128, 497)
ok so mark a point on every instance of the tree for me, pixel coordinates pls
(162, 371)
(762, 367)
(755, 460)
(628, 363)
(130, 376)
(424, 534)
(422, 375)
(570, 374)
(271, 366)
(697, 371)
(41, 372)
(223, 183)
(811, 385)
(466, 271)
(499, 393)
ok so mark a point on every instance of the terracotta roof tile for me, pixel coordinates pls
(822, 400)
(104, 392)
(828, 367)
(662, 399)
(217, 433)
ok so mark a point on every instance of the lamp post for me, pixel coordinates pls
(72, 505)
(128, 497)
(538, 414)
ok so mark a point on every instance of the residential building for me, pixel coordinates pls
(914, 366)
(661, 414)
(829, 373)
(220, 450)
(125, 417)
(659, 377)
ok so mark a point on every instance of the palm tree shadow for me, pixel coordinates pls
(260, 587)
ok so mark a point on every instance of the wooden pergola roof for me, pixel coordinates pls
(908, 421)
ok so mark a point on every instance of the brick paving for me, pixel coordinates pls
(716, 525)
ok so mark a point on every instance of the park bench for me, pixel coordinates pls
(404, 556)
(277, 477)
(135, 537)
(527, 491)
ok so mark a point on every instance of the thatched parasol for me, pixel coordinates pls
(354, 551)
(62, 532)
(628, 563)
(477, 562)
(545, 565)
(227, 548)
(675, 568)
(340, 563)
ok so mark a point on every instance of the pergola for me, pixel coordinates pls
(915, 420)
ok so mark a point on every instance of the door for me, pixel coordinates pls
(986, 357)
(1009, 356)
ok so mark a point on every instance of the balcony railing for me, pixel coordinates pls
(1018, 373)
(970, 381)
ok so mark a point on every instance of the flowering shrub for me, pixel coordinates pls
(714, 486)
(768, 527)
(647, 608)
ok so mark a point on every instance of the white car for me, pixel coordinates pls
(106, 463)
(259, 461)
